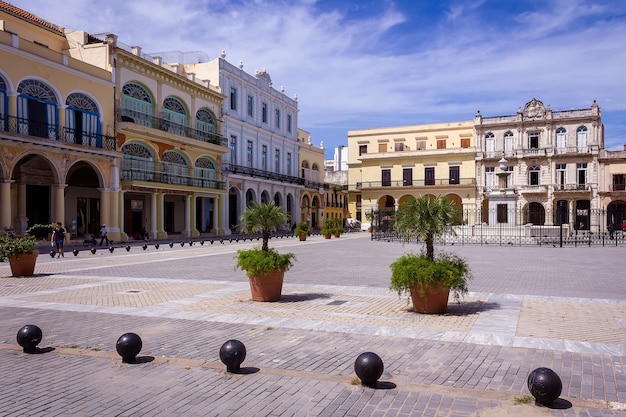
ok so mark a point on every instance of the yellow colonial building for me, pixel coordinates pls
(388, 165)
(59, 159)
(311, 160)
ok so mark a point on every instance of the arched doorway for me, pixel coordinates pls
(33, 177)
(233, 207)
(616, 214)
(536, 214)
(82, 199)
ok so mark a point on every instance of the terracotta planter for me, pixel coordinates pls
(435, 299)
(24, 265)
(267, 287)
(337, 234)
(302, 238)
(327, 236)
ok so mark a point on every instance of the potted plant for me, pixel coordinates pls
(302, 230)
(337, 227)
(265, 267)
(329, 228)
(426, 277)
(21, 253)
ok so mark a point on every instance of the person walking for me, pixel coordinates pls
(103, 233)
(59, 236)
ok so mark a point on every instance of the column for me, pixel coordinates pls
(22, 220)
(161, 234)
(224, 230)
(105, 207)
(59, 205)
(187, 218)
(5, 204)
(153, 217)
(114, 226)
(121, 215)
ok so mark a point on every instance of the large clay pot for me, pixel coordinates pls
(327, 236)
(302, 237)
(23, 265)
(267, 287)
(434, 301)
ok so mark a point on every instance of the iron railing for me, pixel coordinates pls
(260, 173)
(164, 177)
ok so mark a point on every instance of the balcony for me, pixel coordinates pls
(416, 183)
(45, 132)
(571, 187)
(533, 189)
(259, 173)
(171, 127)
(161, 177)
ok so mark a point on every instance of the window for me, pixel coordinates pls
(454, 175)
(490, 178)
(176, 116)
(288, 163)
(420, 145)
(362, 149)
(399, 147)
(508, 143)
(533, 175)
(82, 121)
(250, 106)
(288, 123)
(277, 119)
(509, 178)
(249, 155)
(465, 142)
(264, 157)
(561, 140)
(277, 161)
(205, 122)
(407, 177)
(561, 169)
(386, 177)
(581, 139)
(581, 175)
(619, 182)
(264, 112)
(441, 144)
(502, 213)
(429, 176)
(490, 144)
(382, 147)
(533, 140)
(233, 149)
(233, 98)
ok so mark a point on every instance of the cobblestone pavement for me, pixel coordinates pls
(562, 308)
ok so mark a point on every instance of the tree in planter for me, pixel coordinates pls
(329, 227)
(21, 253)
(302, 229)
(428, 278)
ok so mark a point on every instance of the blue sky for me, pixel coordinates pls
(364, 64)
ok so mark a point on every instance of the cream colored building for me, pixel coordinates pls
(612, 186)
(311, 161)
(59, 159)
(540, 166)
(387, 165)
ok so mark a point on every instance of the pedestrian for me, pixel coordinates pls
(59, 235)
(103, 234)
(611, 230)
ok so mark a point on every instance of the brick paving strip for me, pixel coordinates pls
(473, 361)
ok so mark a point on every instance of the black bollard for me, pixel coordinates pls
(202, 243)
(171, 245)
(144, 246)
(93, 251)
(128, 346)
(191, 243)
(75, 252)
(111, 249)
(182, 244)
(156, 246)
(52, 253)
(127, 248)
(369, 367)
(232, 354)
(545, 385)
(28, 337)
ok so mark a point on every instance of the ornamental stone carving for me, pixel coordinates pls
(534, 109)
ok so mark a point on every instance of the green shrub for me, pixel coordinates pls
(16, 245)
(259, 262)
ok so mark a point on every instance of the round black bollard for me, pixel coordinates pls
(75, 252)
(182, 244)
(93, 251)
(111, 249)
(128, 346)
(202, 243)
(144, 246)
(127, 248)
(368, 367)
(191, 243)
(156, 246)
(232, 354)
(171, 245)
(545, 385)
(28, 337)
(52, 253)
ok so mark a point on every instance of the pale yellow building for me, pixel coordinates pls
(311, 162)
(387, 165)
(59, 159)
(612, 187)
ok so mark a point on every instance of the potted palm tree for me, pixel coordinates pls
(337, 227)
(302, 230)
(21, 253)
(329, 228)
(265, 267)
(426, 277)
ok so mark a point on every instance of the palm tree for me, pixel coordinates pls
(264, 218)
(425, 218)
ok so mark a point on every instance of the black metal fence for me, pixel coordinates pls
(595, 227)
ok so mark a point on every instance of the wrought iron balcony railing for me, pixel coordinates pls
(163, 177)
(42, 130)
(415, 183)
(166, 125)
(259, 173)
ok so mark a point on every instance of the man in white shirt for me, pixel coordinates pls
(103, 233)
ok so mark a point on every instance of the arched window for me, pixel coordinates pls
(4, 105)
(561, 140)
(137, 104)
(174, 168)
(533, 175)
(205, 122)
(508, 143)
(490, 144)
(37, 109)
(582, 139)
(137, 163)
(82, 120)
(174, 112)
(205, 173)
